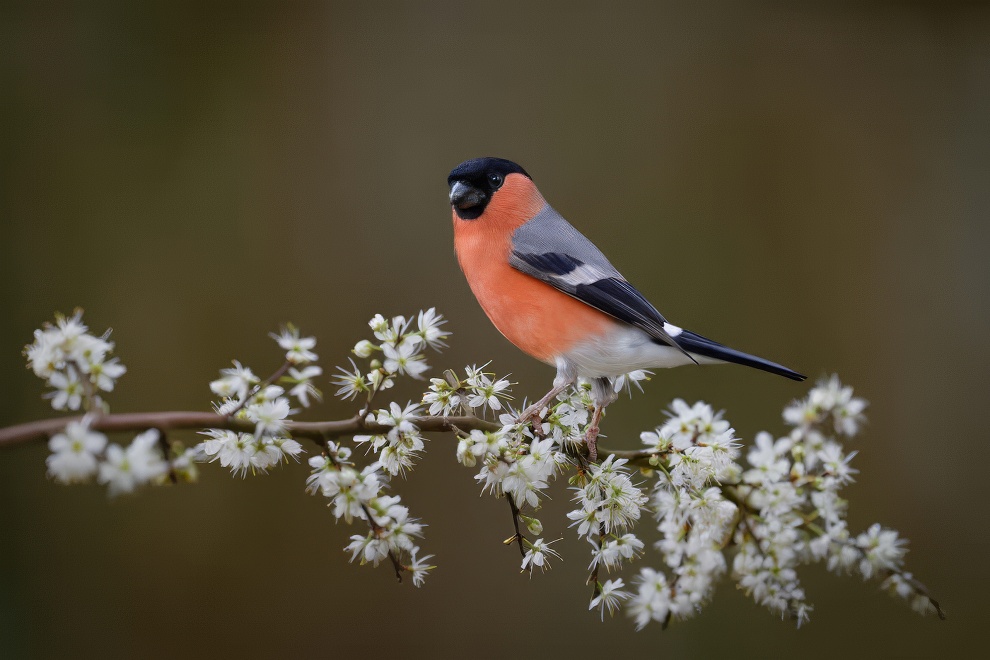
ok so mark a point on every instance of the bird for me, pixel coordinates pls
(551, 292)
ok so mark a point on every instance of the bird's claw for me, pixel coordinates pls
(531, 414)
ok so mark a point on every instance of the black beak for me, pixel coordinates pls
(465, 196)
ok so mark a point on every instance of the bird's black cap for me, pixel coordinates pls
(473, 182)
(476, 170)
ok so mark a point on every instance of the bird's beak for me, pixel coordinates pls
(465, 196)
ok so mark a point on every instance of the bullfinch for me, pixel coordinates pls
(554, 295)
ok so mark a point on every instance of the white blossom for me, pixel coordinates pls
(404, 359)
(351, 383)
(379, 380)
(429, 323)
(233, 450)
(140, 463)
(419, 567)
(882, 550)
(836, 465)
(483, 391)
(269, 416)
(652, 601)
(389, 332)
(442, 398)
(611, 495)
(628, 380)
(609, 596)
(75, 452)
(68, 392)
(538, 555)
(234, 382)
(302, 384)
(73, 362)
(400, 418)
(759, 518)
(829, 400)
(299, 350)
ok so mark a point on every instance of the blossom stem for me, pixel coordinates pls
(593, 578)
(378, 531)
(261, 387)
(91, 397)
(163, 446)
(519, 538)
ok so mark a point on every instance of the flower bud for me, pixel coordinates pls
(534, 526)
(364, 348)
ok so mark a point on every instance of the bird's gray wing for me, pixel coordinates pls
(551, 250)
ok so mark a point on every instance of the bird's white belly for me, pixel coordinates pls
(624, 349)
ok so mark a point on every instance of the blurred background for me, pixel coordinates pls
(806, 183)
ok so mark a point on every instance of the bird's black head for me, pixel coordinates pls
(473, 182)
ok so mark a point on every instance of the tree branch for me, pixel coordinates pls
(41, 430)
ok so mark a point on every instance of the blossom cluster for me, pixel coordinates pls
(757, 514)
(74, 363)
(764, 519)
(401, 343)
(246, 397)
(517, 460)
(78, 366)
(259, 434)
(356, 494)
(397, 351)
(80, 453)
(360, 494)
(521, 458)
(400, 446)
(609, 505)
(758, 517)
(478, 390)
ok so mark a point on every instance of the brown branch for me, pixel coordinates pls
(41, 430)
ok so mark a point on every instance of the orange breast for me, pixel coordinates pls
(542, 321)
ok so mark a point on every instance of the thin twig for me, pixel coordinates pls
(379, 531)
(260, 387)
(593, 578)
(376, 529)
(518, 537)
(163, 446)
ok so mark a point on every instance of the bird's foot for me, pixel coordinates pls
(531, 414)
(591, 435)
(534, 412)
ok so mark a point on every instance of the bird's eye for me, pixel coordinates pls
(495, 180)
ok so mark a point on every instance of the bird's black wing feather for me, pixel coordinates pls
(548, 248)
(611, 295)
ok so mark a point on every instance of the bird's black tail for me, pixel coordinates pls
(699, 345)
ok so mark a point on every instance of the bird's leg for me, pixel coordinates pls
(564, 379)
(534, 410)
(602, 394)
(591, 435)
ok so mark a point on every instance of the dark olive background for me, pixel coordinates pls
(807, 183)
